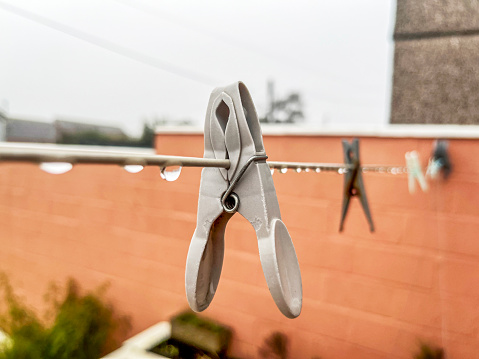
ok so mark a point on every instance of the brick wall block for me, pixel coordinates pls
(463, 154)
(246, 298)
(243, 267)
(364, 294)
(377, 335)
(460, 315)
(323, 319)
(459, 347)
(331, 348)
(406, 268)
(419, 308)
(326, 253)
(466, 200)
(460, 277)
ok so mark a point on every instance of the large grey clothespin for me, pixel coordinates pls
(232, 131)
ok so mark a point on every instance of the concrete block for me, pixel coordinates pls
(436, 81)
(436, 16)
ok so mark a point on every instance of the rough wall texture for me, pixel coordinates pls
(436, 81)
(366, 296)
(436, 77)
(436, 16)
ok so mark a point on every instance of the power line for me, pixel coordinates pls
(324, 94)
(284, 59)
(178, 21)
(111, 46)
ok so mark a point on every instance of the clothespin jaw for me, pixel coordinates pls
(440, 160)
(353, 183)
(232, 132)
(415, 172)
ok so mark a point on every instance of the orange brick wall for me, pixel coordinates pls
(366, 296)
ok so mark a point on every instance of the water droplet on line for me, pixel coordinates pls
(317, 170)
(307, 170)
(283, 170)
(56, 168)
(133, 168)
(170, 173)
(272, 171)
(298, 170)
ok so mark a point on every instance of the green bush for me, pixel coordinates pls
(76, 327)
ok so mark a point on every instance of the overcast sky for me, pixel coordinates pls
(119, 62)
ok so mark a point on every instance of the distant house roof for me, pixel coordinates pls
(64, 127)
(30, 131)
(43, 132)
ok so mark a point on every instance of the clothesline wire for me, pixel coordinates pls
(41, 155)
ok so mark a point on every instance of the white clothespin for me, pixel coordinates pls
(415, 172)
(232, 132)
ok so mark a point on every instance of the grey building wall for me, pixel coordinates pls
(436, 62)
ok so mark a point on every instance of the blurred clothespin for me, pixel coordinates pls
(415, 172)
(353, 183)
(439, 161)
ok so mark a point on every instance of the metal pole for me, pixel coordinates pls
(39, 155)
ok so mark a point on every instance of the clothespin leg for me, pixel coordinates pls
(205, 255)
(344, 210)
(364, 203)
(259, 205)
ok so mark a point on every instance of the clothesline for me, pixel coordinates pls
(39, 155)
(42, 155)
(334, 167)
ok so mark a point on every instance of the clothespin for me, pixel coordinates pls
(232, 131)
(353, 183)
(439, 160)
(415, 172)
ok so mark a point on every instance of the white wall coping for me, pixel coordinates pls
(396, 131)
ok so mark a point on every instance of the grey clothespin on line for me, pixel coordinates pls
(232, 131)
(353, 183)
